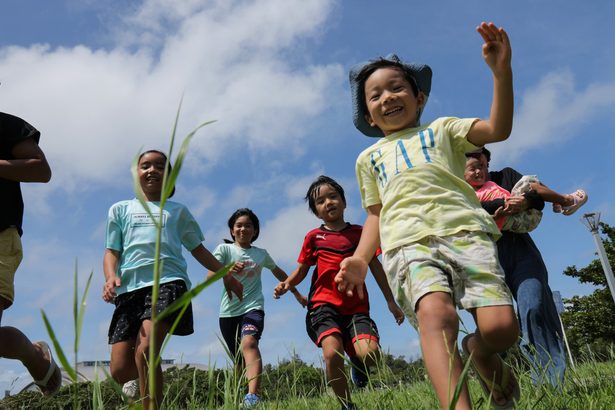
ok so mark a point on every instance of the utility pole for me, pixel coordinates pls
(592, 222)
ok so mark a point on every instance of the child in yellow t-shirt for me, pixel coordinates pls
(436, 239)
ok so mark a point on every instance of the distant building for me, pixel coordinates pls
(96, 370)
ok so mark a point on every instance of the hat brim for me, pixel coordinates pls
(420, 72)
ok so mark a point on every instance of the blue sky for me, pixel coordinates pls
(102, 79)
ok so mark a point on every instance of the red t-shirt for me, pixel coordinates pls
(326, 249)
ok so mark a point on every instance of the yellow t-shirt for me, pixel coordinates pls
(417, 176)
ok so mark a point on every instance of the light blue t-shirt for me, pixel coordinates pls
(255, 260)
(131, 231)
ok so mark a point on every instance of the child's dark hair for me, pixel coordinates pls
(476, 154)
(370, 68)
(314, 190)
(244, 212)
(169, 168)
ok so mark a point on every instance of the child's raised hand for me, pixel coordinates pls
(351, 276)
(496, 49)
(280, 289)
(398, 314)
(109, 288)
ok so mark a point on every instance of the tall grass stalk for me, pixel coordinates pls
(78, 315)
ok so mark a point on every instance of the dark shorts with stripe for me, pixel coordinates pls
(324, 320)
(234, 328)
(132, 308)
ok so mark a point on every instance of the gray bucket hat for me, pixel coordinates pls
(422, 78)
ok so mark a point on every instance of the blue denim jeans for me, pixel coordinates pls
(541, 333)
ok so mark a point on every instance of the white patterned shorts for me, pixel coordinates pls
(464, 265)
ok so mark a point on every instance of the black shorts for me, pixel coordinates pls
(324, 320)
(234, 328)
(132, 308)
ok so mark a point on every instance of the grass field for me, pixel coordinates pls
(590, 386)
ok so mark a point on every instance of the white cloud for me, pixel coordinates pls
(233, 60)
(553, 111)
(285, 232)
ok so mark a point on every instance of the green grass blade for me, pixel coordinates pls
(59, 352)
(81, 314)
(75, 306)
(179, 160)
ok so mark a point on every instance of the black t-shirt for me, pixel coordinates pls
(13, 130)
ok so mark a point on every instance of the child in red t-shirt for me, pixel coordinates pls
(337, 322)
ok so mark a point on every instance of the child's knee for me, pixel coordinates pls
(366, 349)
(437, 313)
(501, 334)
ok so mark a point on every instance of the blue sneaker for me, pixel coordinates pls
(349, 406)
(358, 373)
(251, 400)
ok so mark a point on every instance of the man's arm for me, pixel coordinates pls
(29, 165)
(497, 54)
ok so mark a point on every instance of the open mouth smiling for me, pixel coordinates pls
(392, 111)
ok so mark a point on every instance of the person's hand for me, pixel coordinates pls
(496, 49)
(280, 289)
(237, 267)
(515, 205)
(232, 285)
(501, 212)
(109, 288)
(351, 276)
(398, 314)
(300, 298)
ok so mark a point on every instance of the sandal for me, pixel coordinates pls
(489, 386)
(579, 198)
(53, 372)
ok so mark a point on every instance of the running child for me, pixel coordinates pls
(477, 175)
(436, 239)
(335, 321)
(21, 160)
(242, 321)
(128, 266)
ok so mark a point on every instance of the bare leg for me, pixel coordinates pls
(368, 351)
(123, 367)
(497, 331)
(141, 359)
(15, 345)
(253, 362)
(333, 353)
(549, 195)
(438, 329)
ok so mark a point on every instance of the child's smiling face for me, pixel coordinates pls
(390, 100)
(475, 172)
(329, 204)
(151, 171)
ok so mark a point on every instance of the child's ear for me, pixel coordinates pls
(420, 100)
(369, 120)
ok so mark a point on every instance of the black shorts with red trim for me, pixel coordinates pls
(324, 320)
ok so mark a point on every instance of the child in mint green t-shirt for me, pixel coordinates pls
(242, 321)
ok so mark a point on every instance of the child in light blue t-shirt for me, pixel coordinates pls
(242, 321)
(129, 276)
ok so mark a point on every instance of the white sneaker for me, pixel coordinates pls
(131, 389)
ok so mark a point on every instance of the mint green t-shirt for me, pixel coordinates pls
(255, 260)
(131, 232)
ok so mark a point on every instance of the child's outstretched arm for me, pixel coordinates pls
(376, 267)
(354, 268)
(209, 261)
(497, 54)
(112, 281)
(285, 285)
